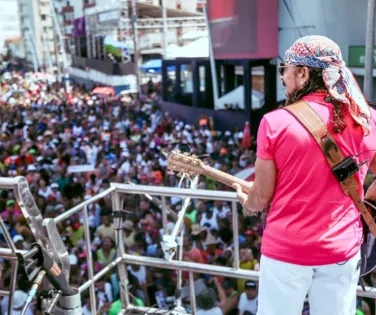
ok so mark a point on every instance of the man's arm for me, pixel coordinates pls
(261, 191)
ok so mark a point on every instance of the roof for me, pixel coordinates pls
(13, 40)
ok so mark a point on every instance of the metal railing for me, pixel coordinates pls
(117, 192)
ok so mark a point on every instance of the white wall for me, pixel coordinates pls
(344, 21)
(189, 5)
(77, 7)
(100, 3)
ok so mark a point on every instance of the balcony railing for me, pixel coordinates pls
(105, 66)
(117, 192)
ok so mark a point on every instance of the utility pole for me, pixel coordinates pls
(370, 40)
(135, 44)
(124, 28)
(211, 56)
(62, 46)
(165, 30)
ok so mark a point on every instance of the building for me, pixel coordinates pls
(9, 23)
(102, 38)
(38, 34)
(67, 11)
(15, 47)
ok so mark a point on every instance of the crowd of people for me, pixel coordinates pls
(71, 146)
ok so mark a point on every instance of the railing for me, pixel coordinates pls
(117, 192)
(105, 66)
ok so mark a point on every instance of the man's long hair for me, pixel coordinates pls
(314, 84)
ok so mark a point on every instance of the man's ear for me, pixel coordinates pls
(305, 73)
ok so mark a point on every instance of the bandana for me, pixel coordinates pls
(321, 52)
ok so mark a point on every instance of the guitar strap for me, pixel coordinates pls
(304, 113)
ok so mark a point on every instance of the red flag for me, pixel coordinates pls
(246, 142)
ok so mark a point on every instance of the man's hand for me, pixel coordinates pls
(261, 191)
(242, 196)
(243, 199)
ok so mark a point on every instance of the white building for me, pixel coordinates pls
(97, 56)
(38, 33)
(9, 22)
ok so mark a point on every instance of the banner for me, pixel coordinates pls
(79, 27)
(80, 168)
(244, 29)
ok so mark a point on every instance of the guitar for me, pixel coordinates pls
(184, 163)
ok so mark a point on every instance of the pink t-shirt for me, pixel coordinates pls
(311, 221)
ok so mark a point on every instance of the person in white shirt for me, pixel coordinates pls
(209, 219)
(206, 303)
(248, 299)
(44, 190)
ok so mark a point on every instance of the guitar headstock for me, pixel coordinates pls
(184, 163)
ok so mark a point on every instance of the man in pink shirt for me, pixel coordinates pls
(311, 243)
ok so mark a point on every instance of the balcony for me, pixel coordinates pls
(104, 66)
(66, 9)
(88, 5)
(47, 23)
(43, 10)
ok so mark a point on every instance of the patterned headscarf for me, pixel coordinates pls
(321, 52)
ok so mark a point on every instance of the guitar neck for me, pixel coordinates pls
(225, 178)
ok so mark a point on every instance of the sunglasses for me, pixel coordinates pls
(282, 66)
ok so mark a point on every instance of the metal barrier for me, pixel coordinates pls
(117, 192)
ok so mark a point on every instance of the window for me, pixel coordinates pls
(68, 16)
(87, 2)
(43, 17)
(7, 28)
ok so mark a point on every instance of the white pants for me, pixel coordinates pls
(331, 288)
